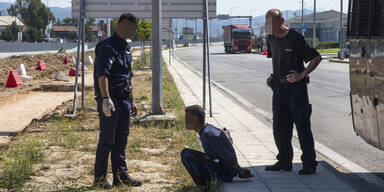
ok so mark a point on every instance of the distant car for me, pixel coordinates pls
(346, 51)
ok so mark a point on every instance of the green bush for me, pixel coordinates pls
(323, 44)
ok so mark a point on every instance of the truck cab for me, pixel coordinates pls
(238, 38)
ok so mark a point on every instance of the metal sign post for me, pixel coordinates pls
(208, 55)
(156, 57)
(79, 37)
(314, 24)
(204, 63)
(142, 9)
(341, 32)
(170, 42)
(82, 65)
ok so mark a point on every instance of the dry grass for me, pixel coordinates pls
(66, 147)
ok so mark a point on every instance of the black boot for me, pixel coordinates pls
(308, 171)
(279, 167)
(127, 181)
(101, 183)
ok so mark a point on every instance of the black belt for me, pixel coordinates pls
(282, 80)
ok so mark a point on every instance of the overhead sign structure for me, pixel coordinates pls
(143, 8)
(157, 10)
(223, 17)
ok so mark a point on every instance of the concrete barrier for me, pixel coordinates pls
(6, 47)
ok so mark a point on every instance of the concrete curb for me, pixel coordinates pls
(339, 61)
(339, 159)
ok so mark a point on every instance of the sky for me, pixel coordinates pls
(245, 7)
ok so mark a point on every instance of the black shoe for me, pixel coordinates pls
(278, 167)
(307, 171)
(129, 181)
(102, 184)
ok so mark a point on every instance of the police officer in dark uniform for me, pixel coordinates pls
(112, 76)
(289, 50)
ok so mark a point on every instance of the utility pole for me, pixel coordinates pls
(341, 31)
(314, 25)
(302, 17)
(196, 31)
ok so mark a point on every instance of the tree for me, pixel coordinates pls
(35, 16)
(58, 22)
(10, 32)
(91, 21)
(89, 35)
(144, 33)
(69, 21)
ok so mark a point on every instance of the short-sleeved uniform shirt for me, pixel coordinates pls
(289, 53)
(114, 59)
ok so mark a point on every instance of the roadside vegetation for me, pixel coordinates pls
(56, 153)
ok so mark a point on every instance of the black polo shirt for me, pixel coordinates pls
(289, 53)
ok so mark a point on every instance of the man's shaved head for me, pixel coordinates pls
(275, 13)
(274, 21)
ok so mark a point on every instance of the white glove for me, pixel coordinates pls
(108, 106)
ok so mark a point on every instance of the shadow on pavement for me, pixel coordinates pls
(327, 178)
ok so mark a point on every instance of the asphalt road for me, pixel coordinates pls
(245, 74)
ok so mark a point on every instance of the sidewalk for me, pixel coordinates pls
(253, 142)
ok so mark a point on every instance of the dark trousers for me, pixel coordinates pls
(291, 105)
(202, 169)
(114, 133)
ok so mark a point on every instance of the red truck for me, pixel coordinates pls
(237, 38)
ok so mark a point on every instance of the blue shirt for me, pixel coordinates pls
(114, 60)
(216, 145)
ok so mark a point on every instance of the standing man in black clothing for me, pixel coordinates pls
(113, 90)
(289, 50)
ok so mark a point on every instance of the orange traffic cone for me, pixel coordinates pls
(13, 79)
(41, 66)
(65, 60)
(72, 72)
(265, 52)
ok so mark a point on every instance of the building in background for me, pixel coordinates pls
(69, 33)
(327, 25)
(8, 20)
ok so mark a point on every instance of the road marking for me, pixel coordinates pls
(334, 156)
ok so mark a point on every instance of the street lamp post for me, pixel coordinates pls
(231, 13)
(252, 10)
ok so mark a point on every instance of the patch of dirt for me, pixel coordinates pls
(62, 167)
(74, 169)
(155, 151)
(54, 63)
